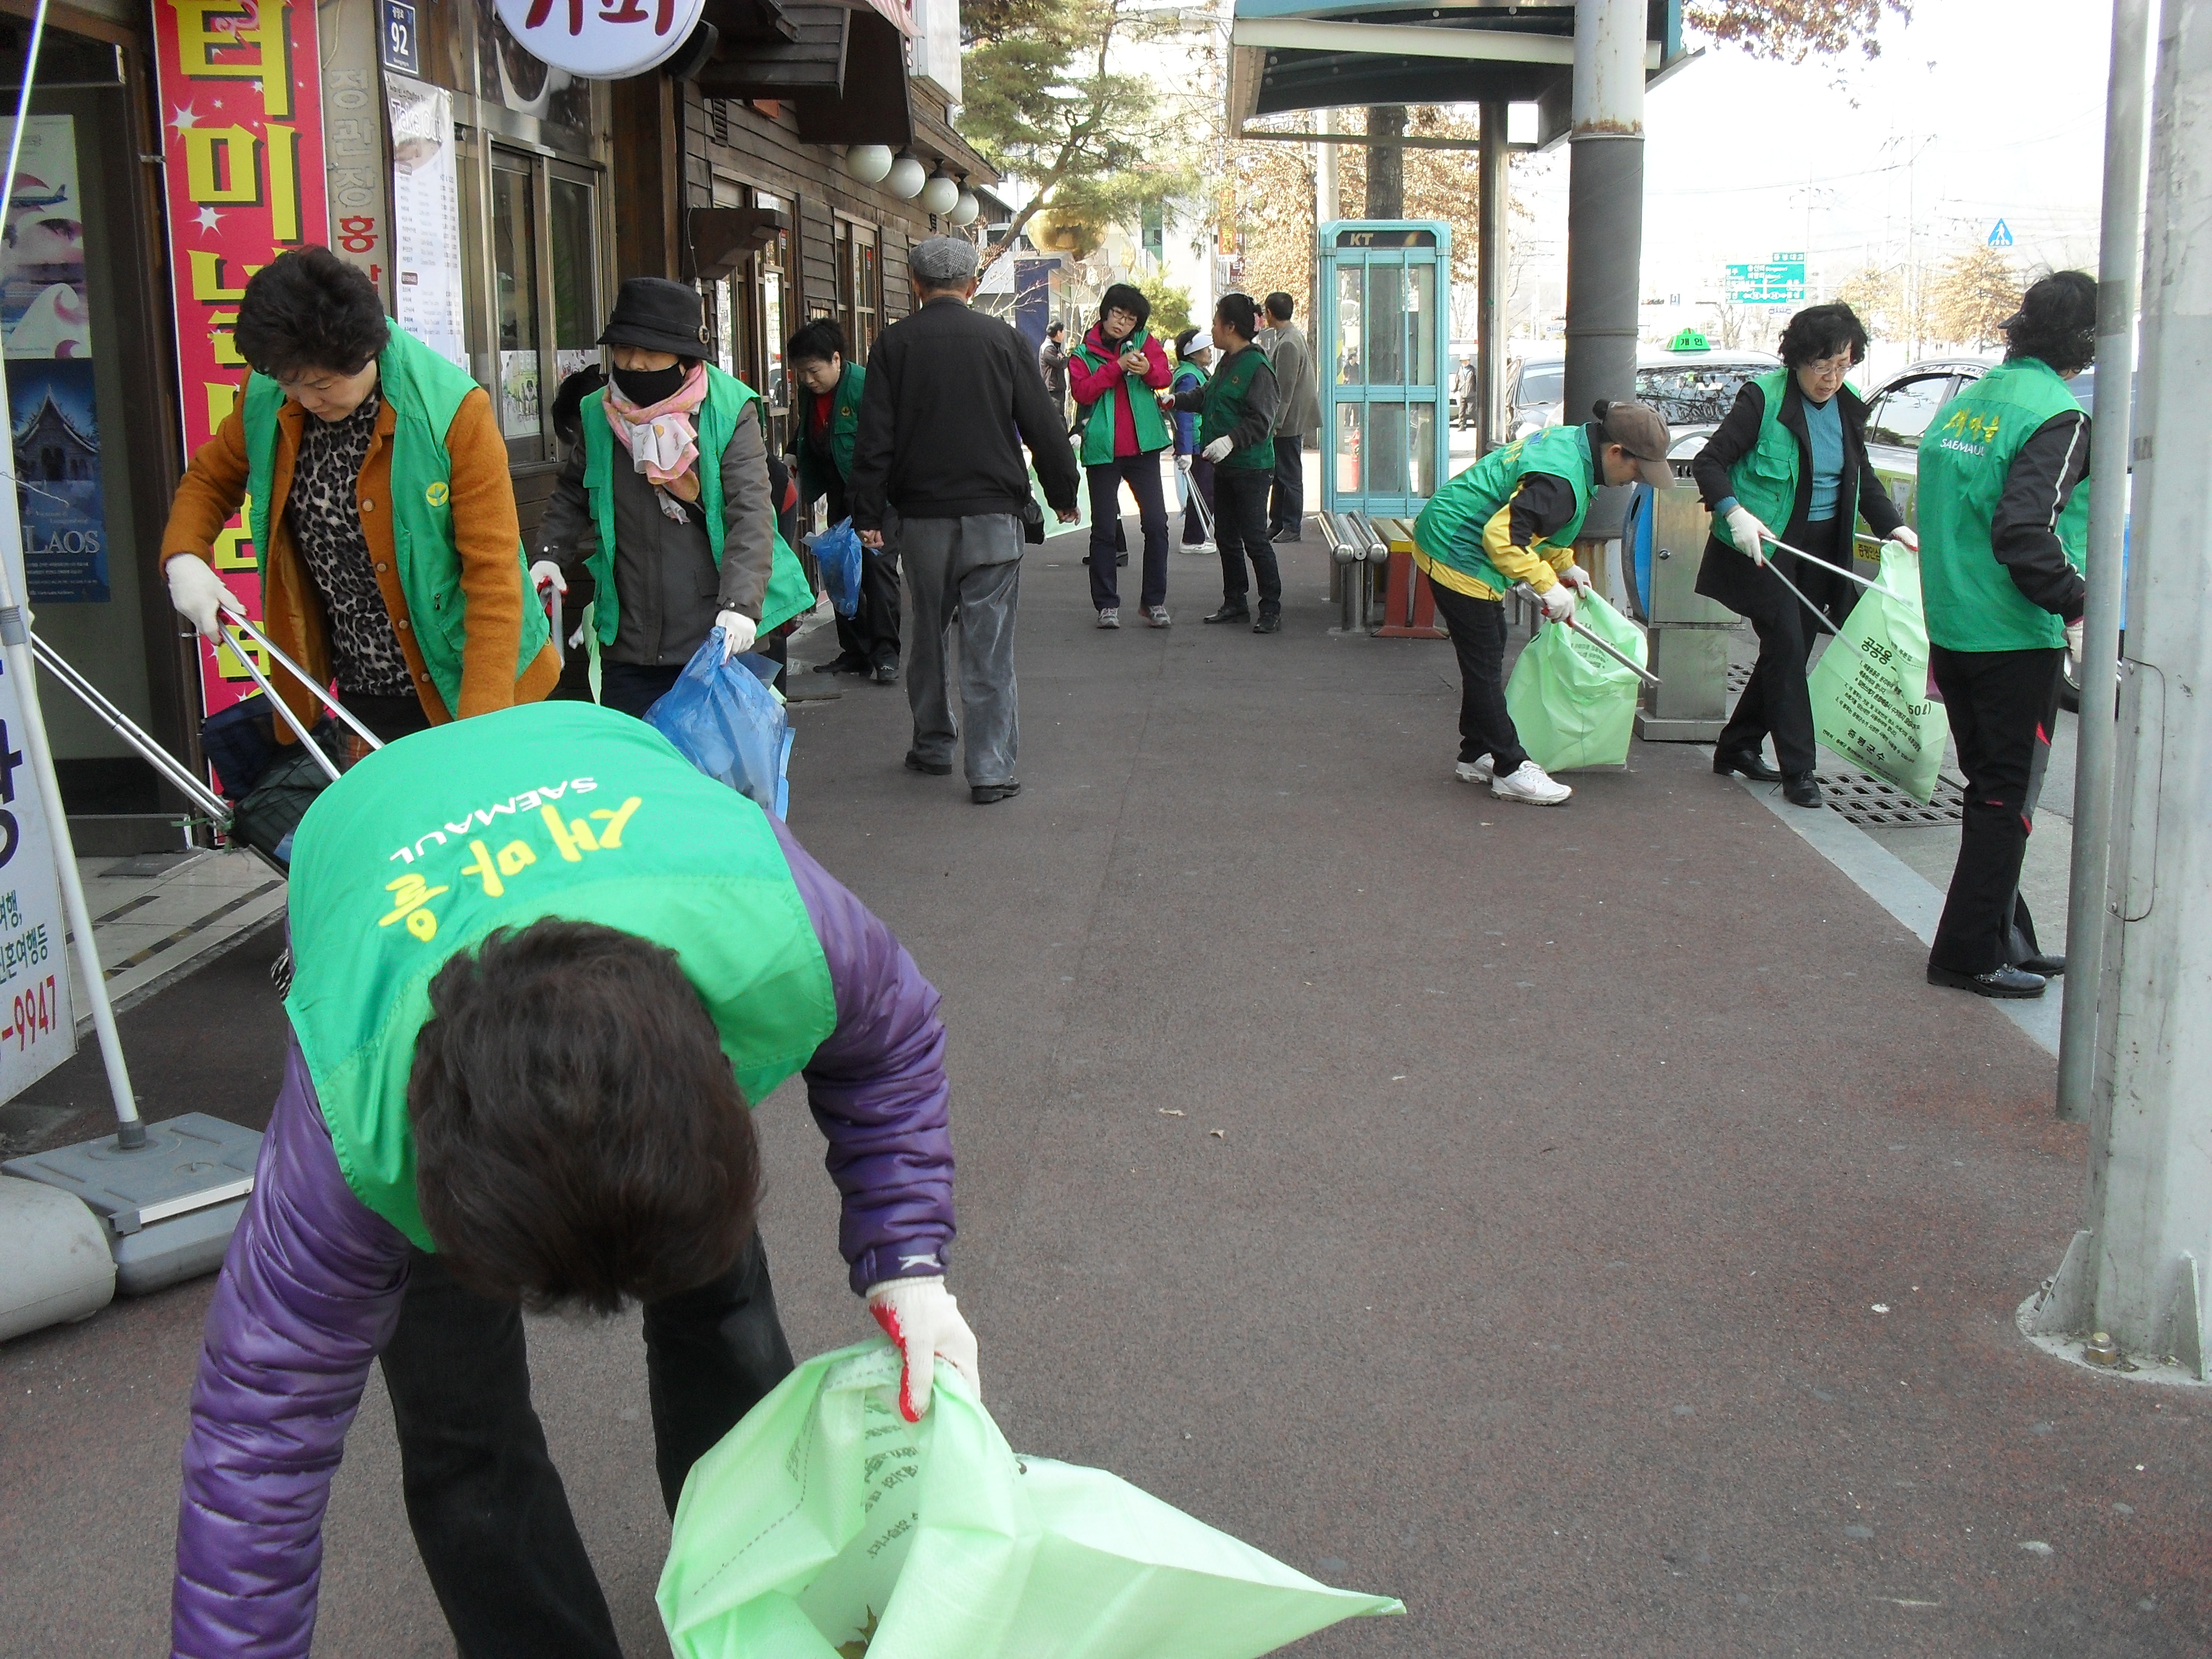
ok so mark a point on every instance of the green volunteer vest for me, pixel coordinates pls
(1152, 427)
(1971, 601)
(551, 809)
(844, 434)
(1226, 394)
(424, 391)
(1449, 529)
(716, 423)
(1764, 480)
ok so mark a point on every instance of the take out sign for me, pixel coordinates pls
(601, 39)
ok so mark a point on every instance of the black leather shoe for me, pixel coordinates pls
(1270, 622)
(885, 673)
(2010, 983)
(2049, 966)
(990, 794)
(1802, 789)
(1744, 766)
(843, 663)
(1230, 613)
(935, 769)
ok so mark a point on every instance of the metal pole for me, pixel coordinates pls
(16, 649)
(2137, 1269)
(2118, 275)
(1605, 217)
(1325, 196)
(1490, 283)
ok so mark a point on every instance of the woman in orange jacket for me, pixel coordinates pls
(383, 519)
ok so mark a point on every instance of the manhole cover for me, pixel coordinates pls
(1863, 799)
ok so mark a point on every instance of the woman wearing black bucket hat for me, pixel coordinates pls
(667, 502)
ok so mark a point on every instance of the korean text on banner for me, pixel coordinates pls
(38, 1023)
(241, 139)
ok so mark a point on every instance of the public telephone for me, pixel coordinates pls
(1383, 363)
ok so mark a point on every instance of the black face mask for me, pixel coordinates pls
(642, 388)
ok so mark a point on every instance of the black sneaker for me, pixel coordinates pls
(1230, 613)
(1270, 622)
(935, 768)
(990, 794)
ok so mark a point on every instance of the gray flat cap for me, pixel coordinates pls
(943, 259)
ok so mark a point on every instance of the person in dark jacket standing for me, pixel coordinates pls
(1792, 452)
(1237, 418)
(497, 1100)
(1297, 418)
(1116, 373)
(1193, 357)
(2004, 515)
(952, 396)
(1052, 363)
(825, 425)
(668, 502)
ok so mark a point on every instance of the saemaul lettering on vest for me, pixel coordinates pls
(600, 830)
(529, 801)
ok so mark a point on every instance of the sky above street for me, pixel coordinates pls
(1971, 113)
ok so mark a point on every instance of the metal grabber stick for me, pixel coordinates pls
(1604, 645)
(1872, 586)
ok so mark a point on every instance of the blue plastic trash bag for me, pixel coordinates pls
(729, 725)
(837, 555)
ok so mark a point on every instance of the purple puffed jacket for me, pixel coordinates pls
(310, 1292)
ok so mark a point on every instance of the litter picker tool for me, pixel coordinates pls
(1190, 482)
(1866, 582)
(1607, 646)
(322, 692)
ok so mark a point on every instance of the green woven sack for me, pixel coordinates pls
(825, 1526)
(1869, 688)
(1575, 707)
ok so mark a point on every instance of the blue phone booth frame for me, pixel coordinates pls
(1383, 363)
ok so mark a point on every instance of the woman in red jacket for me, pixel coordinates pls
(1114, 374)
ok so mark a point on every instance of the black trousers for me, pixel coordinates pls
(871, 634)
(489, 1515)
(634, 686)
(1240, 531)
(1776, 701)
(1142, 473)
(1288, 509)
(2002, 706)
(1477, 627)
(1201, 485)
(390, 718)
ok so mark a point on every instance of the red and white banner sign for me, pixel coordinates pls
(242, 138)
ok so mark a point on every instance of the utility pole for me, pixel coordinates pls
(1386, 161)
(1605, 215)
(2135, 1274)
(2118, 275)
(1490, 283)
(1325, 197)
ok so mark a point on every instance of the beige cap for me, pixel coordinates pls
(1641, 431)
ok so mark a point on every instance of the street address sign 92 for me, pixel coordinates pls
(601, 39)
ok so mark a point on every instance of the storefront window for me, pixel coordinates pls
(515, 287)
(859, 285)
(576, 320)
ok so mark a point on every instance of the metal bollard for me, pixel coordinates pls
(1347, 574)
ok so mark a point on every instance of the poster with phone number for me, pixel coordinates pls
(241, 136)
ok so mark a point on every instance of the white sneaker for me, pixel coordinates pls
(1530, 784)
(1473, 771)
(1110, 617)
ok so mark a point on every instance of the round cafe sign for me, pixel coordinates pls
(601, 39)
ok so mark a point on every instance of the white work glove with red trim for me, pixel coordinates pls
(1751, 536)
(1576, 578)
(1559, 602)
(546, 574)
(923, 1318)
(199, 594)
(1907, 537)
(738, 632)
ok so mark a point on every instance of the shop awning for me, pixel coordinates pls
(1299, 55)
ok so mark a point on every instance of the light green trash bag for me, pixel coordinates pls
(1052, 527)
(1870, 699)
(824, 1526)
(1574, 707)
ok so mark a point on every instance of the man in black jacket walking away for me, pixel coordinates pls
(947, 391)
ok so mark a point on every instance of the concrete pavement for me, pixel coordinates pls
(1610, 1244)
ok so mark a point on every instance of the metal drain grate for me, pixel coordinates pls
(1863, 799)
(1739, 675)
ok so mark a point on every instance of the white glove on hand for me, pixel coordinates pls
(1576, 578)
(1217, 450)
(545, 574)
(199, 594)
(1907, 537)
(738, 632)
(1559, 602)
(923, 1318)
(2074, 639)
(1183, 463)
(1751, 536)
